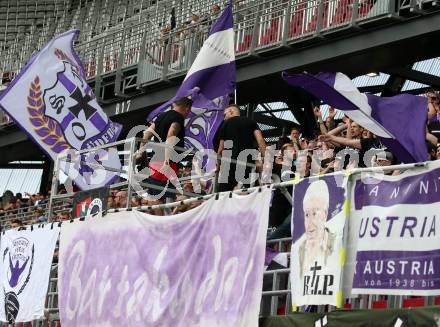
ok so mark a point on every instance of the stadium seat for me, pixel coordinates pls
(413, 302)
(246, 44)
(380, 304)
(281, 311)
(296, 23)
(364, 9)
(343, 13)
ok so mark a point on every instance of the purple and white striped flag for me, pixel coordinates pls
(398, 121)
(51, 101)
(209, 82)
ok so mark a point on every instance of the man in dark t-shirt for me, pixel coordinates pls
(244, 134)
(167, 126)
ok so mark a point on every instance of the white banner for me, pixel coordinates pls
(317, 252)
(394, 234)
(51, 101)
(200, 268)
(26, 262)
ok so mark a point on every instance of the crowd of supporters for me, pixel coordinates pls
(337, 144)
(20, 210)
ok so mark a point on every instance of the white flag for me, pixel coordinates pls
(25, 267)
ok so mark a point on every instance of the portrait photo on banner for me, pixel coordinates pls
(317, 229)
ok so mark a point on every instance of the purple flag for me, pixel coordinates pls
(398, 121)
(212, 75)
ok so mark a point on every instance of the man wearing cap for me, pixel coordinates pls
(319, 241)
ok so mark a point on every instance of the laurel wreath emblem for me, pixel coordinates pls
(47, 128)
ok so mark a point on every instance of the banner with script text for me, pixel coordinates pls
(203, 267)
(52, 103)
(396, 233)
(25, 268)
(318, 219)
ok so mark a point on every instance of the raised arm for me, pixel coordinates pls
(353, 143)
(260, 141)
(148, 134)
(173, 131)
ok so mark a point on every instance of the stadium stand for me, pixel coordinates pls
(264, 21)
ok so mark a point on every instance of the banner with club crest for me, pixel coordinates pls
(51, 101)
(318, 220)
(25, 268)
(203, 267)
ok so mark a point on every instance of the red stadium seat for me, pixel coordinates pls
(246, 44)
(347, 306)
(414, 302)
(380, 305)
(343, 13)
(364, 9)
(296, 23)
(281, 311)
(311, 26)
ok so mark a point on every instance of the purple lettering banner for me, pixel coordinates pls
(203, 267)
(395, 229)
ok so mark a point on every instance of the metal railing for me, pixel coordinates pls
(259, 25)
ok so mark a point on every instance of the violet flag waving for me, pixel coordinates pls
(398, 121)
(51, 101)
(209, 82)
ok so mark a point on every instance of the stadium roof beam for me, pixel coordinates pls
(393, 86)
(372, 89)
(21, 166)
(272, 121)
(267, 109)
(414, 75)
(274, 132)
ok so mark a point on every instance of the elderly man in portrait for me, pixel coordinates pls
(319, 240)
